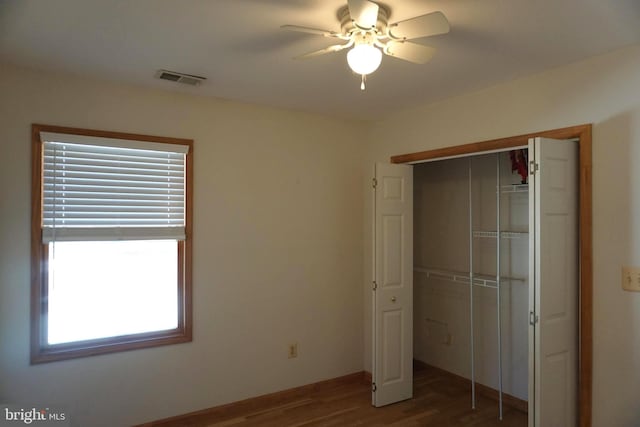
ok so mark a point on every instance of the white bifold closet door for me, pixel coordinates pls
(393, 285)
(553, 284)
(553, 298)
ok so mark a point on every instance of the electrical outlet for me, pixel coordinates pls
(293, 350)
(631, 278)
(448, 339)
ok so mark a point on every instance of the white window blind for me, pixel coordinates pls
(112, 189)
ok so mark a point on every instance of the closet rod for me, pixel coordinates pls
(498, 270)
(471, 280)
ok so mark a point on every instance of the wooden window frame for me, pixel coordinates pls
(42, 352)
(585, 339)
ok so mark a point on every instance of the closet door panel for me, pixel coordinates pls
(556, 282)
(393, 293)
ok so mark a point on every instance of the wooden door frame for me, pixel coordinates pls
(583, 133)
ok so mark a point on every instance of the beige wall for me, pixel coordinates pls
(277, 252)
(604, 91)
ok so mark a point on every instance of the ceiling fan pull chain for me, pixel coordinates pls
(364, 78)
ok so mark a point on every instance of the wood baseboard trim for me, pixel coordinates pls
(248, 405)
(507, 399)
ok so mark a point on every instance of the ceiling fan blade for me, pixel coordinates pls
(330, 49)
(430, 24)
(364, 13)
(308, 30)
(412, 52)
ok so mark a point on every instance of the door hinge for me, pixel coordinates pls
(533, 167)
(533, 318)
(374, 388)
(375, 285)
(374, 182)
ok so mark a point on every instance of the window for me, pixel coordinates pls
(111, 242)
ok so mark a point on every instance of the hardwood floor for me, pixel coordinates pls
(440, 399)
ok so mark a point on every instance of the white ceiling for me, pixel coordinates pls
(239, 47)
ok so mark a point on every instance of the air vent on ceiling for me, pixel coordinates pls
(186, 79)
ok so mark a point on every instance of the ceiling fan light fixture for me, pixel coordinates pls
(364, 29)
(364, 59)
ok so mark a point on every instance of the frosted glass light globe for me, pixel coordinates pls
(364, 59)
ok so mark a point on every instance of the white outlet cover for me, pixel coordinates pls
(631, 278)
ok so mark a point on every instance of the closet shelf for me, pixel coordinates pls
(503, 234)
(514, 188)
(482, 280)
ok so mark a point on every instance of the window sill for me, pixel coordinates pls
(52, 353)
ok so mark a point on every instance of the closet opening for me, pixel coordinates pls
(447, 259)
(471, 323)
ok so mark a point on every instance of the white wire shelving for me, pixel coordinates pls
(503, 234)
(482, 280)
(514, 188)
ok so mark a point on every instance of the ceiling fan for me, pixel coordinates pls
(365, 31)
